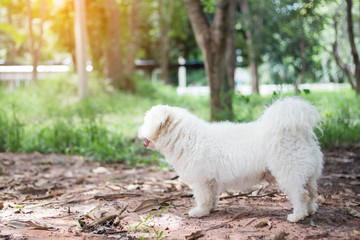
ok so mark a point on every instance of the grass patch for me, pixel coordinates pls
(50, 118)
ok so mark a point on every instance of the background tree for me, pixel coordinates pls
(113, 58)
(294, 42)
(13, 34)
(62, 30)
(80, 47)
(345, 68)
(230, 46)
(342, 21)
(252, 24)
(166, 9)
(285, 47)
(354, 52)
(211, 38)
(35, 49)
(133, 44)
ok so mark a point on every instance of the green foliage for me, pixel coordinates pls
(13, 32)
(51, 119)
(340, 113)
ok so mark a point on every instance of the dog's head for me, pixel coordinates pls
(155, 121)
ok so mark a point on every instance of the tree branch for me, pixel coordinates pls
(344, 67)
(198, 22)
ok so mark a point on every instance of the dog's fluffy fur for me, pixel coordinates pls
(214, 157)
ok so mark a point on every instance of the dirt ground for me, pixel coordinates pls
(65, 197)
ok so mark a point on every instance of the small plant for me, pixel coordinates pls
(146, 226)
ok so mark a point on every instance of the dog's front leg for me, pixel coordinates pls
(206, 197)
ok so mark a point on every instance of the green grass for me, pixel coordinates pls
(339, 110)
(50, 118)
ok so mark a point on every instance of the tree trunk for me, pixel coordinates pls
(344, 67)
(80, 47)
(11, 49)
(31, 42)
(354, 52)
(303, 62)
(212, 41)
(164, 37)
(113, 55)
(39, 47)
(35, 51)
(250, 46)
(230, 50)
(129, 70)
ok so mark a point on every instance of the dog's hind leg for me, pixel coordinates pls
(299, 198)
(311, 187)
(206, 197)
(293, 184)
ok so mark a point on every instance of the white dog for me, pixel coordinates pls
(214, 157)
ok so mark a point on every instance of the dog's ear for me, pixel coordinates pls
(155, 120)
(165, 119)
(160, 113)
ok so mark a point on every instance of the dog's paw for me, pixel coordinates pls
(199, 212)
(313, 208)
(295, 217)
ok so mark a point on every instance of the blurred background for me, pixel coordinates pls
(138, 53)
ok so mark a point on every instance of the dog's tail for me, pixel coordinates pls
(293, 115)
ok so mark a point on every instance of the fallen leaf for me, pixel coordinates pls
(18, 224)
(312, 223)
(23, 211)
(240, 215)
(80, 180)
(1, 205)
(32, 190)
(317, 236)
(6, 236)
(347, 176)
(113, 187)
(155, 203)
(263, 223)
(7, 162)
(116, 196)
(249, 221)
(30, 224)
(95, 214)
(340, 160)
(195, 235)
(356, 232)
(281, 235)
(101, 170)
(102, 220)
(353, 212)
(355, 183)
(47, 196)
(352, 203)
(149, 204)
